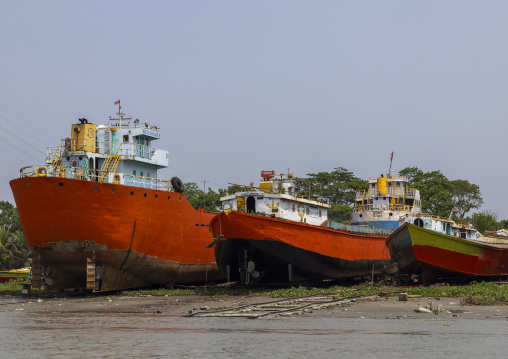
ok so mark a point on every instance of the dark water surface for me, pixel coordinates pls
(46, 335)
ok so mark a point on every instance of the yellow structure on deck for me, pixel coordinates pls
(83, 137)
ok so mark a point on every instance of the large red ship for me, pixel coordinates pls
(274, 234)
(95, 215)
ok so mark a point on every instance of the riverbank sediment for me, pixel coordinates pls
(374, 307)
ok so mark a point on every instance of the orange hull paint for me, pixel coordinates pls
(313, 252)
(66, 221)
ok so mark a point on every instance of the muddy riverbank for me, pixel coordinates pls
(374, 307)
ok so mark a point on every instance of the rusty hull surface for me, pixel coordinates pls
(120, 269)
(138, 237)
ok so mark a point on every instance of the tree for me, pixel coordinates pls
(9, 218)
(466, 196)
(484, 220)
(340, 213)
(14, 251)
(197, 197)
(503, 224)
(435, 190)
(339, 186)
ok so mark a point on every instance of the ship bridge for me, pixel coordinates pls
(120, 151)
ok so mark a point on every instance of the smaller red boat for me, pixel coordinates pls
(273, 234)
(436, 247)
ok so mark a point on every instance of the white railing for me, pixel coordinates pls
(101, 147)
(382, 207)
(87, 174)
(391, 192)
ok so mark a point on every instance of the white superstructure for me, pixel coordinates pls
(278, 197)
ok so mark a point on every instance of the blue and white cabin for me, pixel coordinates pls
(441, 225)
(120, 151)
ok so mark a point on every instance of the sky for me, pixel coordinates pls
(240, 87)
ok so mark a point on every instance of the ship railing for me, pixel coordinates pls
(382, 207)
(365, 195)
(137, 150)
(147, 182)
(360, 229)
(100, 147)
(87, 174)
(391, 177)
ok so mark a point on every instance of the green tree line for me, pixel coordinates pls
(14, 251)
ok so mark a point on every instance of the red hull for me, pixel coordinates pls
(312, 252)
(435, 255)
(142, 236)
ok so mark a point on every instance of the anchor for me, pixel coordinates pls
(273, 206)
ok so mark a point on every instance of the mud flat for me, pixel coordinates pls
(374, 307)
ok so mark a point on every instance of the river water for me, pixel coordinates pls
(78, 335)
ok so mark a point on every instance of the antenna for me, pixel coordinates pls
(390, 170)
(120, 115)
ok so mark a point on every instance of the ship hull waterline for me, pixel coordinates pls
(434, 255)
(134, 236)
(282, 251)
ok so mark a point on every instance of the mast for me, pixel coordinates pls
(120, 115)
(390, 170)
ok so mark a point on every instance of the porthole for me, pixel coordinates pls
(145, 194)
(180, 199)
(96, 188)
(156, 195)
(391, 214)
(169, 197)
(27, 184)
(361, 215)
(113, 190)
(60, 184)
(132, 193)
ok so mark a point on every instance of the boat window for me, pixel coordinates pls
(418, 222)
(147, 174)
(134, 172)
(294, 209)
(141, 174)
(125, 138)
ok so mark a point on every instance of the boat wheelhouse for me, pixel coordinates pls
(120, 152)
(278, 197)
(385, 201)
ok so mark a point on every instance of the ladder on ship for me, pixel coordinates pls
(110, 164)
(56, 162)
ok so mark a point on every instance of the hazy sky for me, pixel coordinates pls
(238, 87)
